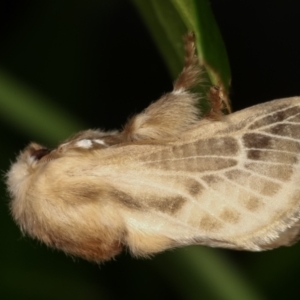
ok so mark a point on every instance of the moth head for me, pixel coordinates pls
(21, 172)
(20, 178)
(26, 162)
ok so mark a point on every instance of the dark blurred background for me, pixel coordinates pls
(96, 60)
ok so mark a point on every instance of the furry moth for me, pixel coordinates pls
(168, 179)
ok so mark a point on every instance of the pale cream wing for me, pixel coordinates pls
(233, 183)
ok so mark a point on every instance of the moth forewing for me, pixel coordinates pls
(231, 183)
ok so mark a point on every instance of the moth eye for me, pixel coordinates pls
(39, 153)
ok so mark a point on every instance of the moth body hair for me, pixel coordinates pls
(170, 178)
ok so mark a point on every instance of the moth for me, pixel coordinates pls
(169, 178)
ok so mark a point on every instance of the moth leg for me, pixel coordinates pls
(191, 73)
(174, 112)
(215, 97)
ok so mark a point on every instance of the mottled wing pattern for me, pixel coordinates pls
(233, 183)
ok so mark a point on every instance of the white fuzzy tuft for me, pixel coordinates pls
(86, 144)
